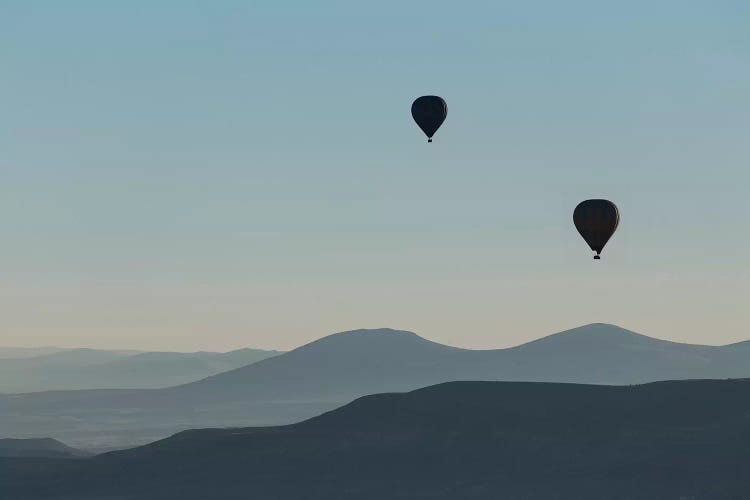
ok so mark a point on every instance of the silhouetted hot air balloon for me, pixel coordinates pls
(429, 111)
(596, 220)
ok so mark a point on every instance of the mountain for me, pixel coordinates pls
(341, 366)
(460, 440)
(64, 357)
(364, 361)
(38, 448)
(336, 369)
(27, 352)
(92, 368)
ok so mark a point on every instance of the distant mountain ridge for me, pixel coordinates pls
(459, 440)
(32, 370)
(38, 448)
(596, 353)
(33, 352)
(331, 371)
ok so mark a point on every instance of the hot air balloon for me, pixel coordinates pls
(597, 221)
(429, 111)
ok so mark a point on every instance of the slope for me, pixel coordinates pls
(461, 440)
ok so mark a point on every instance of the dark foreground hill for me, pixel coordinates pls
(462, 440)
(339, 368)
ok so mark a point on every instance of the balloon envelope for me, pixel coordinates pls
(429, 111)
(597, 221)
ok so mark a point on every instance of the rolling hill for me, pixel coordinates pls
(336, 369)
(460, 440)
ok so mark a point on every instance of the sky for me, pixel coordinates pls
(184, 175)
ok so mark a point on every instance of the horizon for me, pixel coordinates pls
(399, 330)
(250, 175)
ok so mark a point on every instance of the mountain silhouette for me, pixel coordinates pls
(336, 369)
(38, 448)
(34, 352)
(361, 361)
(459, 440)
(347, 364)
(93, 368)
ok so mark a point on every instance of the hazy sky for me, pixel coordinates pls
(215, 174)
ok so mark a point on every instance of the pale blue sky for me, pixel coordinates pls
(216, 174)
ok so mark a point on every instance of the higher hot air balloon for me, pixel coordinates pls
(429, 111)
(597, 221)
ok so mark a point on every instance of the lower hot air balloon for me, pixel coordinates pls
(597, 221)
(429, 111)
